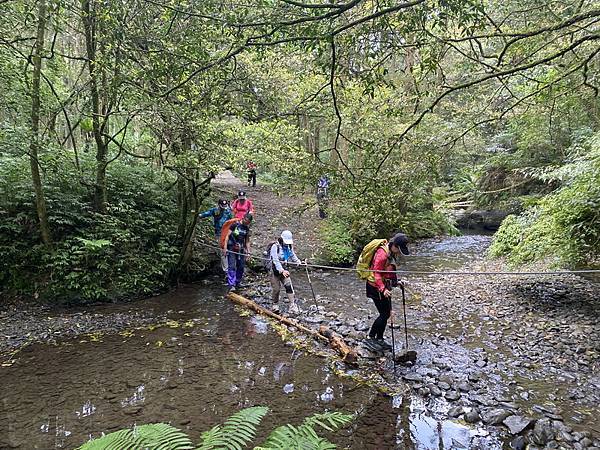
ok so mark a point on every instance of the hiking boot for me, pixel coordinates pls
(231, 289)
(372, 344)
(383, 344)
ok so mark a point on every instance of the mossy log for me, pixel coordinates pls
(348, 354)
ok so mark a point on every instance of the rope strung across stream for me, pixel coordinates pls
(419, 272)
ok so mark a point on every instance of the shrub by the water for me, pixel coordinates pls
(128, 251)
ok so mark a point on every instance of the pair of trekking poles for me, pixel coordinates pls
(406, 353)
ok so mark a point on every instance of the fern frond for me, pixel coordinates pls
(330, 421)
(305, 436)
(237, 431)
(156, 436)
(162, 436)
(119, 440)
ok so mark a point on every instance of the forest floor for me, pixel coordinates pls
(516, 355)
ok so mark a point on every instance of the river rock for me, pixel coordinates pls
(518, 443)
(452, 395)
(443, 385)
(464, 386)
(412, 376)
(516, 424)
(435, 391)
(472, 416)
(495, 416)
(542, 432)
(456, 411)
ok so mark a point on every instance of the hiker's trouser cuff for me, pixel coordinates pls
(276, 281)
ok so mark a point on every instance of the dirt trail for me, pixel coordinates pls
(275, 213)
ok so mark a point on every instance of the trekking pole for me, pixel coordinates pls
(311, 288)
(404, 310)
(393, 338)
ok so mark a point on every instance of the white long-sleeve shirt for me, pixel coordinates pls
(278, 255)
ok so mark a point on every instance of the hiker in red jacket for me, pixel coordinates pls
(242, 206)
(384, 260)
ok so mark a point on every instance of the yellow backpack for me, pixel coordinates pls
(363, 266)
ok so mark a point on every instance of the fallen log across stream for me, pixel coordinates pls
(347, 353)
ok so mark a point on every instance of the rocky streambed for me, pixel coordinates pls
(516, 355)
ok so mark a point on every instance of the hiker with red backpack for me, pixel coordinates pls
(282, 252)
(377, 263)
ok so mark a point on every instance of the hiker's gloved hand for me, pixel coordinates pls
(285, 273)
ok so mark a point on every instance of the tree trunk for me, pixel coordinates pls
(89, 25)
(40, 201)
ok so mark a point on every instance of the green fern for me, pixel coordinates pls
(305, 436)
(156, 436)
(237, 431)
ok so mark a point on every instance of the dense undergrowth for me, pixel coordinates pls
(562, 228)
(129, 251)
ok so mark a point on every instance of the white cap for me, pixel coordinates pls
(286, 236)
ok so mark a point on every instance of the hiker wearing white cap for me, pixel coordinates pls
(282, 252)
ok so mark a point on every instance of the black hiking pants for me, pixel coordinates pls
(252, 177)
(384, 307)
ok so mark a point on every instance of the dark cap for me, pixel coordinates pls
(223, 203)
(400, 240)
(242, 194)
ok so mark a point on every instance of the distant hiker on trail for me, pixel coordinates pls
(220, 214)
(251, 166)
(282, 251)
(235, 243)
(241, 206)
(322, 187)
(381, 256)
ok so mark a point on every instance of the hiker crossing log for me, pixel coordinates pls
(325, 334)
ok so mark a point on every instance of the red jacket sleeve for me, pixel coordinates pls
(379, 264)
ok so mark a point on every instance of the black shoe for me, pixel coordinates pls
(372, 344)
(384, 345)
(232, 288)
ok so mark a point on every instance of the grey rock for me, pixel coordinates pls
(472, 416)
(412, 376)
(443, 385)
(516, 424)
(424, 392)
(518, 443)
(586, 442)
(464, 386)
(452, 395)
(456, 411)
(435, 391)
(495, 416)
(542, 432)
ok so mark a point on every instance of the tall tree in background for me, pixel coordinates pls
(38, 50)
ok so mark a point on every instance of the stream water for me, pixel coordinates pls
(206, 363)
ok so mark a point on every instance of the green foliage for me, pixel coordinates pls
(338, 242)
(564, 227)
(153, 436)
(237, 432)
(129, 251)
(305, 435)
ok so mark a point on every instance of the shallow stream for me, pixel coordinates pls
(208, 362)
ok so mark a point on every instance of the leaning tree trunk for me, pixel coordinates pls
(40, 201)
(89, 25)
